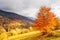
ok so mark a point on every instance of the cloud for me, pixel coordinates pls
(27, 8)
(56, 7)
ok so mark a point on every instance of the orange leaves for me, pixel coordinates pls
(45, 20)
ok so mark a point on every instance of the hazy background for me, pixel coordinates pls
(29, 8)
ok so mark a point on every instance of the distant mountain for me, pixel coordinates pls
(14, 16)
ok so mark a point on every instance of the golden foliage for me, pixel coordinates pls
(26, 36)
(3, 36)
(59, 22)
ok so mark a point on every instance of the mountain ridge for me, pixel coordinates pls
(13, 16)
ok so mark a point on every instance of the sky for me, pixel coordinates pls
(29, 8)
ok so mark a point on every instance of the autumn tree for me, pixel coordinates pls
(46, 20)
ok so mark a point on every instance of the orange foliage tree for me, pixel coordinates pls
(46, 20)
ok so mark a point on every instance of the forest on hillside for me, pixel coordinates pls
(45, 27)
